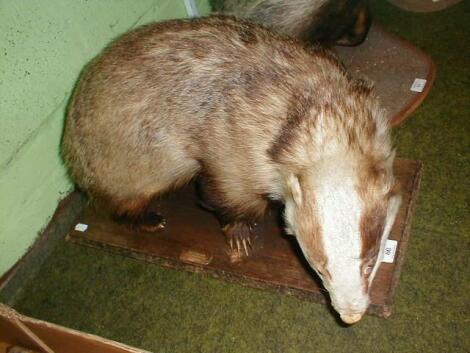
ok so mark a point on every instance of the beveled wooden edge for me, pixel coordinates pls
(400, 256)
(424, 6)
(209, 272)
(412, 104)
(415, 103)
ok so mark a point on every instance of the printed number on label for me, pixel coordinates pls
(418, 85)
(389, 251)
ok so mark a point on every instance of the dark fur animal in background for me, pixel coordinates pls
(255, 116)
(329, 22)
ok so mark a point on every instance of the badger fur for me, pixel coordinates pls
(342, 22)
(255, 117)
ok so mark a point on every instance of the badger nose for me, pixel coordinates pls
(350, 318)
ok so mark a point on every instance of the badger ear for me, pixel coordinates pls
(293, 186)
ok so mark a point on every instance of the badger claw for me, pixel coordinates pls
(245, 247)
(240, 238)
(238, 245)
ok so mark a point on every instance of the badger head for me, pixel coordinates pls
(340, 195)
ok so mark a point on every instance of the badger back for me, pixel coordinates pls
(174, 95)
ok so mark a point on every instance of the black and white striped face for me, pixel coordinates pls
(342, 231)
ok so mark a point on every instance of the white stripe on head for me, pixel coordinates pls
(339, 209)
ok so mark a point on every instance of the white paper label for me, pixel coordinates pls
(81, 227)
(418, 85)
(389, 251)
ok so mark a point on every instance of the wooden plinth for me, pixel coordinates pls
(392, 64)
(192, 241)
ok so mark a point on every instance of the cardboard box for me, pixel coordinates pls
(27, 335)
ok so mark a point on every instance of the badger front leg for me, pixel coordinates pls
(237, 230)
(239, 236)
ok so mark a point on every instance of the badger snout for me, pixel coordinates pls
(351, 311)
(351, 318)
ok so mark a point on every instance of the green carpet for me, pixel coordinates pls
(168, 311)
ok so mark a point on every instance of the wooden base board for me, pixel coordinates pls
(392, 64)
(424, 5)
(192, 241)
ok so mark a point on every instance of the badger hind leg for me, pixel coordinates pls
(139, 214)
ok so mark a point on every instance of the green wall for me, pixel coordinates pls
(43, 46)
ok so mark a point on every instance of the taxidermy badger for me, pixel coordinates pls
(341, 22)
(256, 117)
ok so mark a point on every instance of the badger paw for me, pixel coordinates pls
(240, 238)
(150, 222)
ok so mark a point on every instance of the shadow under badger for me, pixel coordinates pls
(256, 117)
